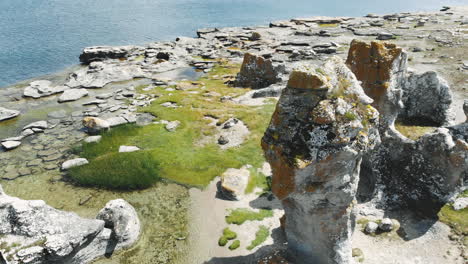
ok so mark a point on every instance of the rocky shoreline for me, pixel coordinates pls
(42, 119)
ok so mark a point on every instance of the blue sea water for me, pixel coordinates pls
(44, 36)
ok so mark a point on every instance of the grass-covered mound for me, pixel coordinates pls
(122, 171)
(180, 154)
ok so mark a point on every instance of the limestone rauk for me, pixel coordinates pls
(322, 126)
(325, 128)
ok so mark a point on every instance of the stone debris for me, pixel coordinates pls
(371, 227)
(233, 131)
(234, 182)
(74, 163)
(8, 114)
(128, 148)
(93, 139)
(95, 125)
(386, 225)
(172, 125)
(460, 203)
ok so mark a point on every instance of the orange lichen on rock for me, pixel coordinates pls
(284, 185)
(374, 65)
(306, 80)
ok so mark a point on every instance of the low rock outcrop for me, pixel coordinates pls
(47, 235)
(257, 72)
(97, 53)
(41, 88)
(322, 126)
(98, 74)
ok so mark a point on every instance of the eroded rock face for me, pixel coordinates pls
(47, 235)
(381, 67)
(420, 174)
(322, 125)
(257, 72)
(427, 98)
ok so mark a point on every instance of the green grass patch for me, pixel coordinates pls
(457, 220)
(122, 171)
(228, 234)
(413, 132)
(259, 180)
(350, 116)
(240, 215)
(260, 237)
(179, 154)
(358, 254)
(235, 245)
(328, 25)
(110, 142)
(222, 241)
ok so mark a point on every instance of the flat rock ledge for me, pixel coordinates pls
(8, 114)
(46, 235)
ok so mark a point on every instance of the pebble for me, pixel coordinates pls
(386, 225)
(128, 148)
(93, 139)
(371, 227)
(460, 203)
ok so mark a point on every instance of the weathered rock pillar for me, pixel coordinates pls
(381, 67)
(322, 125)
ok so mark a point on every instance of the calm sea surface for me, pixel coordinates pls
(44, 36)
